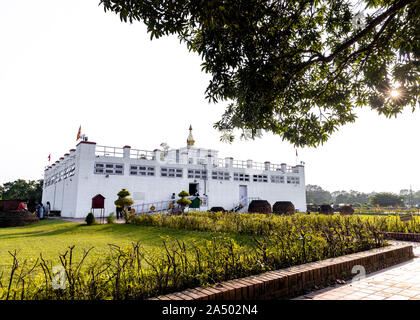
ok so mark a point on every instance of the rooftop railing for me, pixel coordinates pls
(142, 154)
(239, 164)
(216, 162)
(243, 164)
(104, 151)
(219, 162)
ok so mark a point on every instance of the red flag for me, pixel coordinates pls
(49, 157)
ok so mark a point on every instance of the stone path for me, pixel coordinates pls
(400, 282)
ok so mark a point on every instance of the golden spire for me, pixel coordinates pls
(190, 140)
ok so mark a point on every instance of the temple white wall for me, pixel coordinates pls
(82, 179)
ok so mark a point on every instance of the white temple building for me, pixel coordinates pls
(152, 177)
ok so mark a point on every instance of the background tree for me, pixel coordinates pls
(386, 199)
(123, 202)
(295, 68)
(416, 198)
(351, 197)
(411, 197)
(316, 195)
(22, 190)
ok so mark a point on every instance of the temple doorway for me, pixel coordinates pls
(193, 189)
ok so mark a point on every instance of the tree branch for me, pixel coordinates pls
(391, 11)
(367, 48)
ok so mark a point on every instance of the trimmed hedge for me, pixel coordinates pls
(259, 206)
(17, 218)
(284, 207)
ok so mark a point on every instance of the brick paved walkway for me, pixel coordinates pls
(400, 282)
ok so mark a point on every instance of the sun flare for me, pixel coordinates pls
(394, 93)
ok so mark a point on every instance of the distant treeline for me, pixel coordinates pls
(316, 195)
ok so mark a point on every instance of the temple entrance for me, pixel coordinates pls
(243, 193)
(193, 189)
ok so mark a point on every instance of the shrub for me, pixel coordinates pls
(284, 207)
(183, 202)
(259, 206)
(111, 218)
(128, 215)
(90, 219)
(123, 202)
(326, 209)
(346, 210)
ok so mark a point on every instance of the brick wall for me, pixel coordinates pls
(402, 236)
(296, 280)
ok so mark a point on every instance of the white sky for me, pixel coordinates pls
(65, 63)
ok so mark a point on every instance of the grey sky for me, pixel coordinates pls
(66, 63)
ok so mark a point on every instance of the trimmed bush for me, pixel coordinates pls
(123, 202)
(259, 206)
(17, 218)
(284, 207)
(111, 218)
(326, 209)
(183, 202)
(90, 219)
(345, 210)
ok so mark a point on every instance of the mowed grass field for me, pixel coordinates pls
(52, 237)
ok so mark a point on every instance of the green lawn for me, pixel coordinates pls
(51, 237)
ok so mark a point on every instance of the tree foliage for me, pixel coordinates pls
(316, 195)
(295, 68)
(386, 199)
(123, 201)
(351, 197)
(183, 202)
(22, 190)
(410, 197)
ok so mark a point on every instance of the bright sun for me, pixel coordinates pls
(394, 93)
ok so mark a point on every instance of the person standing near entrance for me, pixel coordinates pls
(40, 210)
(47, 209)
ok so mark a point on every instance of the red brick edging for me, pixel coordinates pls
(296, 280)
(402, 236)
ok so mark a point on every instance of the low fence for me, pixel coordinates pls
(162, 206)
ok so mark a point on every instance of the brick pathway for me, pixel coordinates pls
(400, 282)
